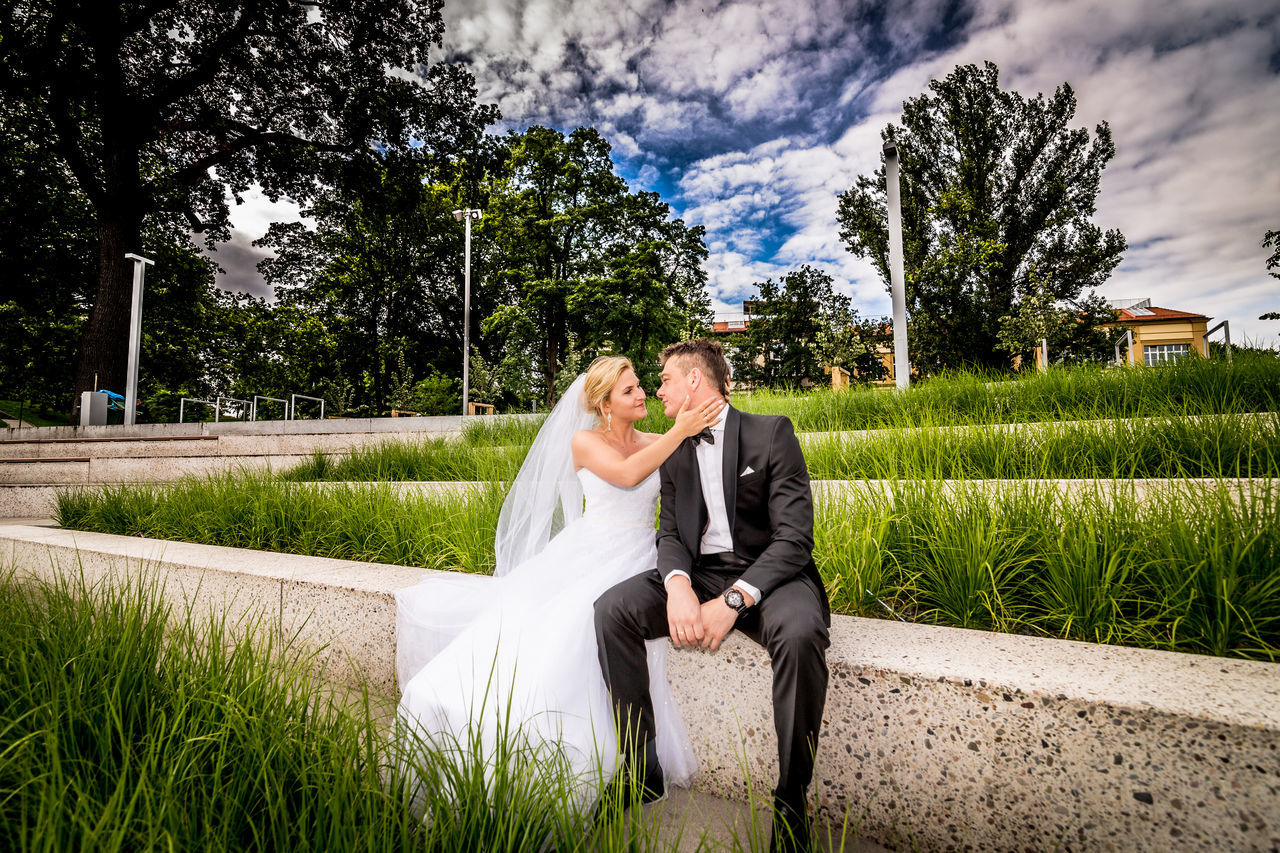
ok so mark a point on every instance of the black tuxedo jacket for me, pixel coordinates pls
(770, 508)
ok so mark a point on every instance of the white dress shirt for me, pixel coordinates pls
(717, 538)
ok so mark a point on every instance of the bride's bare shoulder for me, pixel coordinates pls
(587, 437)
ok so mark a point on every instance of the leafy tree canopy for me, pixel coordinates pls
(1272, 241)
(800, 326)
(993, 186)
(166, 108)
(1073, 331)
(578, 257)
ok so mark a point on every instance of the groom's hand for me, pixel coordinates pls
(718, 619)
(684, 615)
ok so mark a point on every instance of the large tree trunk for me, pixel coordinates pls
(104, 345)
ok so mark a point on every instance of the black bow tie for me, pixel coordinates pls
(706, 435)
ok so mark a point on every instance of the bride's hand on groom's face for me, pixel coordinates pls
(690, 422)
(718, 620)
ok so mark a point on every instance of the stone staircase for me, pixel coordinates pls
(35, 463)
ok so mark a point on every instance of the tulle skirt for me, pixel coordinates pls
(482, 659)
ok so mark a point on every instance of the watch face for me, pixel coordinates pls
(734, 599)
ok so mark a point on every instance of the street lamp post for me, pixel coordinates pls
(466, 215)
(135, 338)
(901, 368)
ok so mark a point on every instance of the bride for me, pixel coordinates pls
(516, 654)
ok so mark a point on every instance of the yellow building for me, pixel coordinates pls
(1159, 334)
(1163, 334)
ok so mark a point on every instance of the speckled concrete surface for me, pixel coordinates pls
(938, 738)
(968, 740)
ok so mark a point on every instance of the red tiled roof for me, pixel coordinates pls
(1159, 314)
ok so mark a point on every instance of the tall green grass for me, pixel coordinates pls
(1219, 446)
(371, 523)
(1193, 571)
(128, 728)
(426, 459)
(1191, 386)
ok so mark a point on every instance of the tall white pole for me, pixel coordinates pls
(901, 368)
(466, 215)
(135, 338)
(466, 322)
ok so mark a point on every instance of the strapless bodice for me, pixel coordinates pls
(618, 506)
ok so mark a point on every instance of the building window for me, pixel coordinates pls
(1161, 353)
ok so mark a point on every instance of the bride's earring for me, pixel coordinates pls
(608, 416)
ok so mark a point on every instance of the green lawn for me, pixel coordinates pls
(10, 409)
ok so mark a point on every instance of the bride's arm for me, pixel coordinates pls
(593, 452)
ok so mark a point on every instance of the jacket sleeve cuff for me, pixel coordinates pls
(674, 573)
(748, 589)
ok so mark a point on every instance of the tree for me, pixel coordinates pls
(797, 324)
(578, 257)
(1074, 330)
(381, 268)
(47, 243)
(164, 109)
(993, 186)
(1272, 241)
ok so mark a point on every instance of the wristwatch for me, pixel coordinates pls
(733, 598)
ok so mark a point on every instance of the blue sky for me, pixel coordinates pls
(749, 118)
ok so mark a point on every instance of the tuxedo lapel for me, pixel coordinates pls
(729, 468)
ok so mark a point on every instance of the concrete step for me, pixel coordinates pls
(435, 425)
(690, 821)
(1102, 426)
(204, 445)
(142, 469)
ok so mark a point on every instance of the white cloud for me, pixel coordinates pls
(749, 102)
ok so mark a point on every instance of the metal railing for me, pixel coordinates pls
(182, 406)
(253, 413)
(1128, 336)
(293, 404)
(1225, 326)
(249, 408)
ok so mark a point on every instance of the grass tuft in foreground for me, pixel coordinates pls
(128, 728)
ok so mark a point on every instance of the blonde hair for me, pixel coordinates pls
(602, 375)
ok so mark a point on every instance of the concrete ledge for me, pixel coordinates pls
(447, 424)
(205, 445)
(957, 739)
(345, 607)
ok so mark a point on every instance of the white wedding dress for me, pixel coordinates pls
(478, 656)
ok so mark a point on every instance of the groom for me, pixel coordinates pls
(735, 550)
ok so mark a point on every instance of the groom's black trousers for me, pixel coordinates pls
(788, 622)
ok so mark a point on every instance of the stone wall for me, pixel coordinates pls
(935, 737)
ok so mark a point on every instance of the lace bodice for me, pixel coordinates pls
(618, 506)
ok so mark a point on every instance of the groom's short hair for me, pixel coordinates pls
(703, 353)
